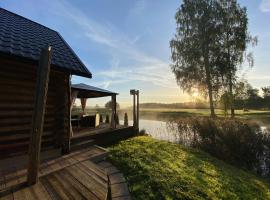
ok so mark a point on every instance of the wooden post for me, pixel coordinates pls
(137, 111)
(132, 92)
(113, 122)
(67, 118)
(115, 112)
(43, 74)
(134, 111)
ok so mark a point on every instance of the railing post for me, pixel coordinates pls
(135, 109)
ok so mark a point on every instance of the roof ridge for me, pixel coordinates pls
(17, 15)
(66, 59)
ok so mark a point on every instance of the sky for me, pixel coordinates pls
(125, 43)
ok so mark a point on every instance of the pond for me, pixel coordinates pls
(157, 129)
(160, 130)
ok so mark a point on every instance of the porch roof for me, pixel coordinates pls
(88, 91)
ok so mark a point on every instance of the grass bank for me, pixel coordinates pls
(161, 170)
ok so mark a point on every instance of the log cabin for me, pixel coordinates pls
(21, 41)
(22, 49)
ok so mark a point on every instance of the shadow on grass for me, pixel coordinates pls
(218, 179)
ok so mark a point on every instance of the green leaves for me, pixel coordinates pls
(210, 45)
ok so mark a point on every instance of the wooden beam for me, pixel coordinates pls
(134, 111)
(137, 125)
(43, 74)
(66, 139)
(134, 92)
(115, 112)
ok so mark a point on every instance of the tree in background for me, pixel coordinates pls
(240, 94)
(254, 100)
(266, 96)
(266, 92)
(194, 47)
(109, 105)
(233, 40)
(247, 97)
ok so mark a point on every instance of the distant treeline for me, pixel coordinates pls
(198, 105)
(247, 97)
(254, 102)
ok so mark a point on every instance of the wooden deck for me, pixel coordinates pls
(72, 176)
(103, 136)
(102, 128)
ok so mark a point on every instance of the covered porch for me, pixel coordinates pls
(85, 123)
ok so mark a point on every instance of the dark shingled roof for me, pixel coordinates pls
(24, 38)
(87, 91)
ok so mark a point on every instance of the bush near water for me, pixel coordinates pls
(238, 142)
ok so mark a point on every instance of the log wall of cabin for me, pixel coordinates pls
(17, 89)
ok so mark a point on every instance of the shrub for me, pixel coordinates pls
(237, 142)
(142, 132)
(108, 105)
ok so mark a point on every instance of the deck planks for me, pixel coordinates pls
(88, 181)
(82, 189)
(72, 182)
(13, 176)
(71, 176)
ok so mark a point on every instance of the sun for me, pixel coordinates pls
(195, 94)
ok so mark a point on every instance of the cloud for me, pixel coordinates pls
(258, 77)
(128, 63)
(156, 74)
(108, 83)
(91, 29)
(138, 8)
(265, 6)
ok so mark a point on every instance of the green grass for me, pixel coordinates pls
(161, 170)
